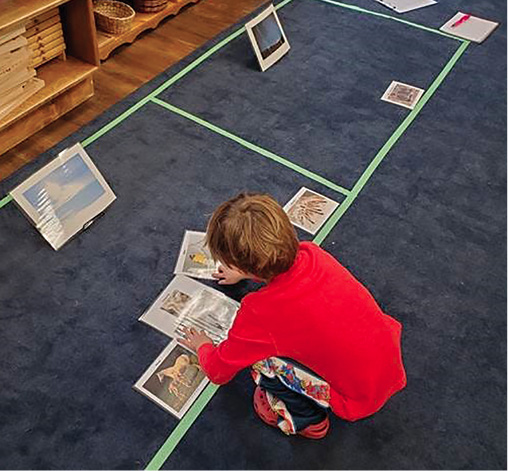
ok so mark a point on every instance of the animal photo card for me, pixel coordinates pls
(267, 38)
(402, 94)
(309, 210)
(195, 259)
(174, 380)
(65, 196)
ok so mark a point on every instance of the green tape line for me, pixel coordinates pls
(7, 199)
(143, 101)
(381, 154)
(181, 429)
(162, 87)
(253, 147)
(389, 17)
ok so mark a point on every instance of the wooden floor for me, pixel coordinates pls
(131, 66)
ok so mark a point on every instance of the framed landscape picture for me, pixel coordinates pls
(65, 196)
(267, 38)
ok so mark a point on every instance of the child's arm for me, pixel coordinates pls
(247, 343)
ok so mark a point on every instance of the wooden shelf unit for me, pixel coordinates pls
(67, 83)
(142, 22)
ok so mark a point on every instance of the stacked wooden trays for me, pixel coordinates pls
(113, 17)
(150, 6)
(17, 77)
(45, 37)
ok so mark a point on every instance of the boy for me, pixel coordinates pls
(314, 336)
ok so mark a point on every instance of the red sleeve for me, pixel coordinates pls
(246, 344)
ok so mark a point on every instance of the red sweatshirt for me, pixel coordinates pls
(318, 314)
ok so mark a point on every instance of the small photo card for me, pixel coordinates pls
(65, 196)
(195, 259)
(174, 380)
(402, 94)
(309, 210)
(267, 37)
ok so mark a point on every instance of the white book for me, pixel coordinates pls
(469, 27)
(403, 6)
(188, 303)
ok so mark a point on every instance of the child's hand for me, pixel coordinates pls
(194, 339)
(229, 276)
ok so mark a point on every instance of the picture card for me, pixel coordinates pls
(267, 38)
(195, 259)
(309, 210)
(188, 303)
(403, 6)
(402, 94)
(469, 27)
(174, 380)
(65, 196)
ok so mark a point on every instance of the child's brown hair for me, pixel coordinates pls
(252, 232)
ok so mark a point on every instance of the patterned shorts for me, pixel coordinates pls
(299, 397)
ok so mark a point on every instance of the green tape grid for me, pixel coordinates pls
(381, 154)
(143, 101)
(163, 87)
(393, 18)
(254, 147)
(181, 429)
(189, 418)
(169, 82)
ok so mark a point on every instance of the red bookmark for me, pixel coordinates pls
(461, 20)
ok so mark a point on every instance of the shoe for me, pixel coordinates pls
(263, 409)
(316, 431)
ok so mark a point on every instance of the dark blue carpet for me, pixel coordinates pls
(427, 236)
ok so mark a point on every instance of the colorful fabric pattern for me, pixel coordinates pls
(297, 380)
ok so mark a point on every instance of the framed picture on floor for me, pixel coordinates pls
(267, 38)
(65, 196)
(174, 380)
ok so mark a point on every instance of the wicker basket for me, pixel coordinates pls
(149, 6)
(113, 17)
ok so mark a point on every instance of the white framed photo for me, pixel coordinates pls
(174, 380)
(402, 94)
(309, 210)
(65, 196)
(195, 258)
(267, 37)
